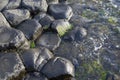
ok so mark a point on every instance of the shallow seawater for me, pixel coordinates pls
(97, 55)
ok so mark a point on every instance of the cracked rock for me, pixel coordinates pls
(3, 3)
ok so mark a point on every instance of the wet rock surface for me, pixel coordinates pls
(57, 67)
(64, 11)
(57, 36)
(11, 66)
(10, 38)
(49, 40)
(31, 29)
(35, 4)
(16, 16)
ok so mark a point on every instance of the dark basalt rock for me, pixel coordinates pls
(35, 59)
(58, 67)
(10, 38)
(12, 4)
(3, 21)
(31, 29)
(11, 66)
(34, 5)
(16, 16)
(3, 3)
(44, 19)
(52, 1)
(35, 76)
(48, 40)
(60, 11)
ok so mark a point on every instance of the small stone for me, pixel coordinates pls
(58, 67)
(12, 4)
(3, 21)
(11, 38)
(34, 5)
(48, 40)
(31, 29)
(16, 16)
(61, 26)
(11, 66)
(60, 11)
(44, 19)
(35, 76)
(3, 3)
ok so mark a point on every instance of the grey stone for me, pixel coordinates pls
(31, 29)
(3, 21)
(52, 1)
(11, 38)
(60, 11)
(35, 76)
(35, 59)
(3, 3)
(44, 19)
(11, 66)
(16, 16)
(12, 4)
(58, 66)
(61, 26)
(34, 5)
(48, 40)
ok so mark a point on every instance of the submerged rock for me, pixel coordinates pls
(16, 16)
(3, 3)
(31, 29)
(11, 66)
(12, 4)
(10, 38)
(35, 76)
(35, 59)
(48, 40)
(34, 5)
(3, 21)
(57, 67)
(60, 11)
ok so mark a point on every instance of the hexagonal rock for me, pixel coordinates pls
(49, 40)
(11, 66)
(61, 26)
(57, 67)
(10, 38)
(31, 29)
(12, 4)
(16, 16)
(3, 21)
(3, 3)
(44, 19)
(34, 5)
(35, 59)
(60, 11)
(35, 76)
